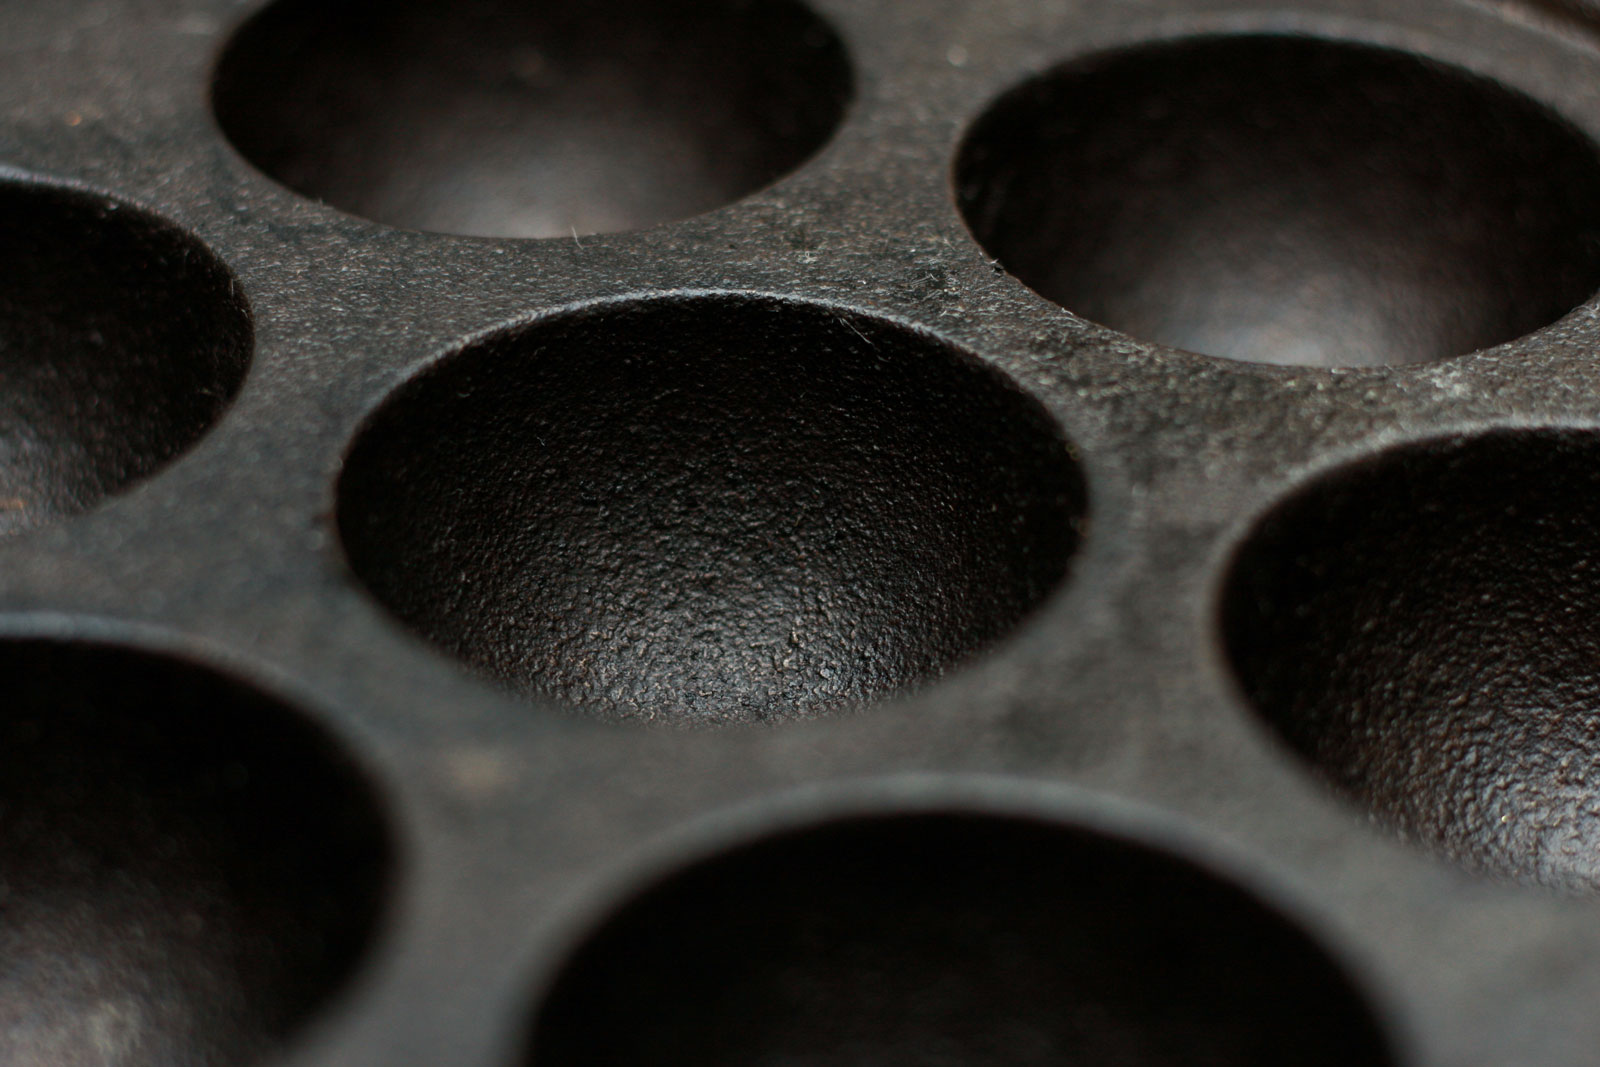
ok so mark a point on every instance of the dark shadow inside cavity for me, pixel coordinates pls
(711, 510)
(1423, 629)
(1288, 200)
(507, 119)
(951, 941)
(122, 340)
(186, 870)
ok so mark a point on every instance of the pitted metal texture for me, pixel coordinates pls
(748, 533)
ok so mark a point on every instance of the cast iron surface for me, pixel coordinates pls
(124, 340)
(939, 939)
(181, 885)
(1173, 683)
(1288, 201)
(531, 120)
(710, 510)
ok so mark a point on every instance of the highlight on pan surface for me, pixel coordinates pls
(189, 871)
(1288, 199)
(122, 341)
(935, 939)
(713, 509)
(502, 118)
(1420, 627)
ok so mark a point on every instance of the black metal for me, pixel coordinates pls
(763, 584)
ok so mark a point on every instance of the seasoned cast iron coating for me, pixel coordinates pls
(966, 532)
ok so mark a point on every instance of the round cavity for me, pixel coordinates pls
(187, 870)
(951, 940)
(710, 510)
(1284, 199)
(1420, 627)
(122, 340)
(502, 118)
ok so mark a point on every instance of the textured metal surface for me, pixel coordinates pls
(711, 510)
(1216, 196)
(812, 456)
(531, 120)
